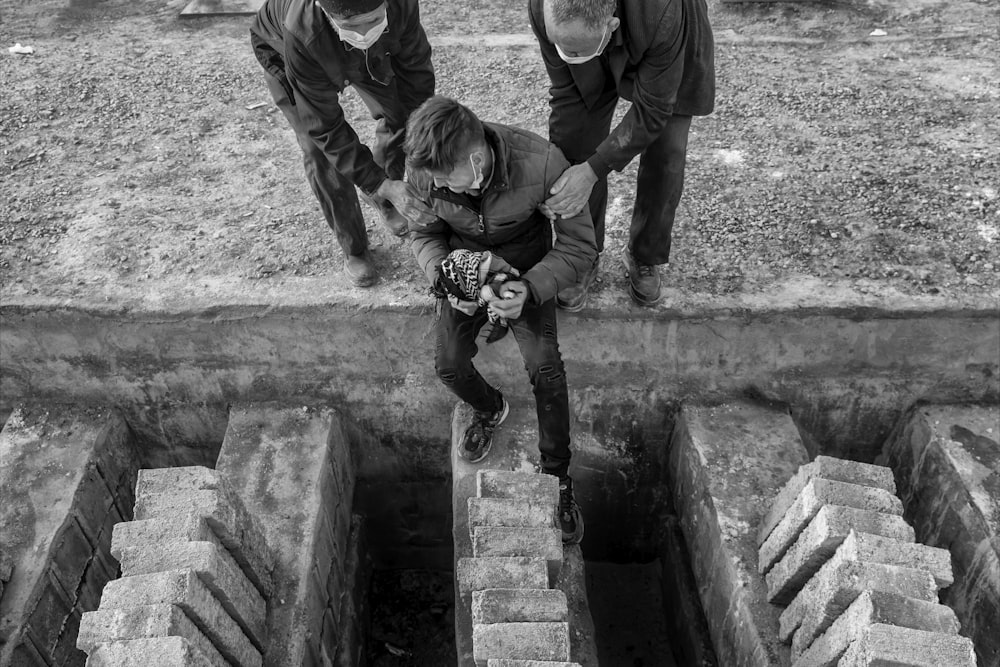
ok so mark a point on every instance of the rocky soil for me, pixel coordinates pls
(142, 162)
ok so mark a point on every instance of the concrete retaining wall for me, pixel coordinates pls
(66, 479)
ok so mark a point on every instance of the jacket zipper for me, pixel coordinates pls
(481, 226)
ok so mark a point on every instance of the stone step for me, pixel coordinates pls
(891, 645)
(531, 487)
(477, 574)
(150, 652)
(519, 605)
(511, 512)
(521, 641)
(503, 541)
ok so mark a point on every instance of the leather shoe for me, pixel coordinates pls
(361, 269)
(643, 281)
(574, 298)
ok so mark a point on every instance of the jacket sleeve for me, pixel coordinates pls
(657, 82)
(429, 244)
(575, 249)
(318, 101)
(412, 66)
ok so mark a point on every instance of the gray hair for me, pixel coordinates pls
(593, 13)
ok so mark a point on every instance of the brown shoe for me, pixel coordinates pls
(574, 298)
(643, 281)
(387, 214)
(360, 269)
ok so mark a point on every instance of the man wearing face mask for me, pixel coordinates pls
(311, 50)
(485, 182)
(658, 54)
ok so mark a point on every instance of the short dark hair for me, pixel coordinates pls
(440, 133)
(593, 13)
(347, 8)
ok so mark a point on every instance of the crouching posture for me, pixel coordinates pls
(485, 183)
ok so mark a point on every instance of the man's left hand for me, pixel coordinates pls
(571, 191)
(513, 295)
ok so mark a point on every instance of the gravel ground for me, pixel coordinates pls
(142, 160)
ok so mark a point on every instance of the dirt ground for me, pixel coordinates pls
(143, 165)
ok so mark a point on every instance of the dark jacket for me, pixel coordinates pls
(510, 225)
(661, 58)
(294, 38)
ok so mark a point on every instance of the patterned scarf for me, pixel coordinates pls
(460, 277)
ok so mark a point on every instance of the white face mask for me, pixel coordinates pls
(579, 60)
(359, 40)
(477, 182)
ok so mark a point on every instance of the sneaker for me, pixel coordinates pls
(574, 298)
(360, 269)
(570, 517)
(478, 436)
(643, 281)
(390, 218)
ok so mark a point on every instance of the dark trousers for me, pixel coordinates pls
(659, 185)
(336, 194)
(535, 332)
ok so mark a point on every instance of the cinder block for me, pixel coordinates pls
(476, 574)
(181, 479)
(505, 662)
(502, 541)
(149, 652)
(815, 494)
(519, 605)
(184, 527)
(836, 588)
(216, 568)
(522, 641)
(824, 467)
(845, 571)
(882, 645)
(510, 512)
(889, 551)
(226, 516)
(163, 620)
(820, 539)
(536, 488)
(872, 607)
(184, 589)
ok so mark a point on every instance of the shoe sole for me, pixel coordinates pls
(645, 303)
(578, 536)
(571, 309)
(503, 416)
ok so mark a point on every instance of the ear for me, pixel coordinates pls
(613, 23)
(478, 158)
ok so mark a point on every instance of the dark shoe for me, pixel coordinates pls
(360, 269)
(390, 218)
(643, 281)
(570, 517)
(478, 436)
(574, 298)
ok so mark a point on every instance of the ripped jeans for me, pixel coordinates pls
(535, 332)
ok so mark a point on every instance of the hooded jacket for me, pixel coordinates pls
(508, 222)
(294, 39)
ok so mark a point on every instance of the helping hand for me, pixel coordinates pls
(570, 192)
(406, 200)
(466, 307)
(514, 295)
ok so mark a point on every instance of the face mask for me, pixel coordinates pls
(478, 180)
(579, 60)
(359, 40)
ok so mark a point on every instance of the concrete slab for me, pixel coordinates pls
(947, 465)
(726, 464)
(514, 449)
(62, 468)
(883, 644)
(202, 8)
(289, 465)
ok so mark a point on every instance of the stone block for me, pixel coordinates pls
(510, 512)
(814, 495)
(824, 467)
(216, 568)
(184, 527)
(820, 539)
(163, 620)
(882, 645)
(477, 574)
(536, 488)
(503, 541)
(836, 586)
(519, 605)
(524, 641)
(947, 464)
(184, 589)
(277, 458)
(225, 513)
(871, 607)
(149, 652)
